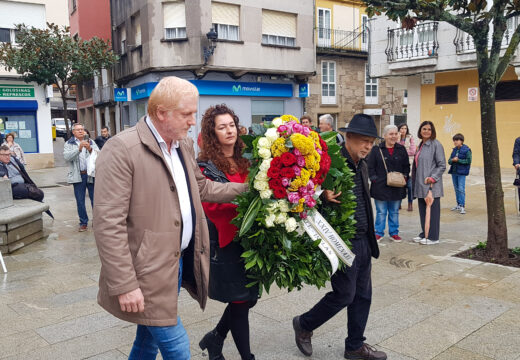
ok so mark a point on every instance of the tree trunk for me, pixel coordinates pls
(497, 229)
(63, 93)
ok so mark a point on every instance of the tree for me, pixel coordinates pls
(480, 21)
(52, 57)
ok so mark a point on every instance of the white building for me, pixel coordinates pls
(25, 107)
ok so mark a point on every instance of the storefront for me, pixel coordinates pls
(253, 102)
(24, 111)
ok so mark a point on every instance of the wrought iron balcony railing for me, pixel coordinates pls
(342, 40)
(419, 42)
(103, 95)
(464, 42)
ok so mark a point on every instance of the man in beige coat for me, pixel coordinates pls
(149, 224)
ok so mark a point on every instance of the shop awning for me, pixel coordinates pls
(18, 105)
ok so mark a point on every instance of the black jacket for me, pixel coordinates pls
(376, 169)
(362, 166)
(516, 152)
(100, 141)
(23, 172)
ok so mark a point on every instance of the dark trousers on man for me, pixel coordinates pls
(80, 189)
(351, 288)
(435, 218)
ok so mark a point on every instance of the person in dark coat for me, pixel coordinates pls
(460, 161)
(101, 140)
(221, 160)
(387, 198)
(516, 161)
(22, 185)
(351, 286)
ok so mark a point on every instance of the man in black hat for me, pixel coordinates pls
(352, 286)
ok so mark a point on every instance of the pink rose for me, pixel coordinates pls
(282, 129)
(297, 170)
(297, 152)
(300, 160)
(286, 182)
(310, 202)
(306, 131)
(310, 186)
(303, 215)
(293, 197)
(298, 128)
(319, 151)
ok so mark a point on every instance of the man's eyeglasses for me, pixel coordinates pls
(5, 154)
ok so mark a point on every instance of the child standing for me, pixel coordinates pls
(460, 161)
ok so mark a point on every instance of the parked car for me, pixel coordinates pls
(61, 130)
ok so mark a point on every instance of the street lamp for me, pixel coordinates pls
(209, 50)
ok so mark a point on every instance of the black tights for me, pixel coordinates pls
(236, 320)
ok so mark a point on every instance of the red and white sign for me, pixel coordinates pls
(473, 94)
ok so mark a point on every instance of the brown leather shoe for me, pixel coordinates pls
(82, 228)
(302, 337)
(410, 206)
(365, 352)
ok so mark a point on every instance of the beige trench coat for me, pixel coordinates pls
(137, 225)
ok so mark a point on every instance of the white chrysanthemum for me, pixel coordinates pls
(269, 221)
(264, 153)
(272, 207)
(266, 194)
(281, 218)
(271, 134)
(291, 225)
(283, 205)
(265, 165)
(263, 143)
(261, 185)
(277, 122)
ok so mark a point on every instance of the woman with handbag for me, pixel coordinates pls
(388, 169)
(406, 139)
(221, 160)
(428, 166)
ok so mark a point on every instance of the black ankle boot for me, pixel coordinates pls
(213, 342)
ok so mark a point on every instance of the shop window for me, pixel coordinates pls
(174, 16)
(266, 110)
(446, 94)
(278, 28)
(226, 20)
(508, 90)
(328, 82)
(24, 127)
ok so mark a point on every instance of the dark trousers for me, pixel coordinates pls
(435, 218)
(20, 191)
(80, 189)
(351, 288)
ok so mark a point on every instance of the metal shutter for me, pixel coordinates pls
(228, 14)
(174, 14)
(278, 23)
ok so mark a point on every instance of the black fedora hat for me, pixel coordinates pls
(361, 124)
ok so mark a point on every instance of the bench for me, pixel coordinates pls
(20, 220)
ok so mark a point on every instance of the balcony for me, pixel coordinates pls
(341, 41)
(104, 95)
(418, 43)
(464, 43)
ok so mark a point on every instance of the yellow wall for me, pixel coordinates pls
(464, 117)
(341, 23)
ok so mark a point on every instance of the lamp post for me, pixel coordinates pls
(209, 50)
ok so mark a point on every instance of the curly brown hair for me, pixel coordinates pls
(211, 149)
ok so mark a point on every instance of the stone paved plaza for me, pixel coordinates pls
(426, 303)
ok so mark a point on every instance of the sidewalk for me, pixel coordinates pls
(426, 303)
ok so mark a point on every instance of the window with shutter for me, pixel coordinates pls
(174, 14)
(278, 28)
(226, 20)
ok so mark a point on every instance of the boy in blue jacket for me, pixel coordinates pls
(460, 161)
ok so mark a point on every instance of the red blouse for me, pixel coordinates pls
(222, 214)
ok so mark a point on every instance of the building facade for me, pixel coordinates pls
(253, 56)
(343, 86)
(436, 63)
(25, 108)
(95, 97)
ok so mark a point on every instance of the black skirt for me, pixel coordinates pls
(227, 276)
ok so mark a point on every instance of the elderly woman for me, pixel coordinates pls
(388, 156)
(221, 160)
(406, 139)
(428, 166)
(16, 149)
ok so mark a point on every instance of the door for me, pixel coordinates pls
(324, 25)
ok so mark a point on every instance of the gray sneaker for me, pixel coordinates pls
(455, 208)
(462, 210)
(429, 242)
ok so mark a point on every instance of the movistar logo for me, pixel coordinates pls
(121, 93)
(140, 91)
(237, 88)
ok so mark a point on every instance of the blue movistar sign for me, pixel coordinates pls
(232, 88)
(143, 91)
(303, 90)
(120, 94)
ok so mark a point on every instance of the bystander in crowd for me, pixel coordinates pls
(16, 149)
(460, 161)
(407, 140)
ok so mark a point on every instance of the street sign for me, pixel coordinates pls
(473, 94)
(23, 91)
(427, 78)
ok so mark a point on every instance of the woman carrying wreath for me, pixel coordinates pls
(221, 160)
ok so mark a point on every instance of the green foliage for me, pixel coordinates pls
(481, 245)
(516, 250)
(290, 260)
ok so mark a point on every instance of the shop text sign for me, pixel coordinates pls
(9, 91)
(231, 88)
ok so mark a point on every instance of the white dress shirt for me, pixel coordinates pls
(174, 163)
(82, 156)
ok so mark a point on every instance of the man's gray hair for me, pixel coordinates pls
(4, 147)
(328, 119)
(387, 128)
(77, 124)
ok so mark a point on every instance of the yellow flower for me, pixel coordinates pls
(299, 208)
(316, 139)
(278, 147)
(304, 177)
(296, 184)
(287, 118)
(304, 144)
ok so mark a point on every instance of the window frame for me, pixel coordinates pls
(371, 82)
(324, 33)
(328, 99)
(500, 84)
(216, 27)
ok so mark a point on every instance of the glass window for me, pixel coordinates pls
(446, 94)
(174, 16)
(371, 88)
(328, 82)
(266, 110)
(5, 35)
(24, 127)
(226, 32)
